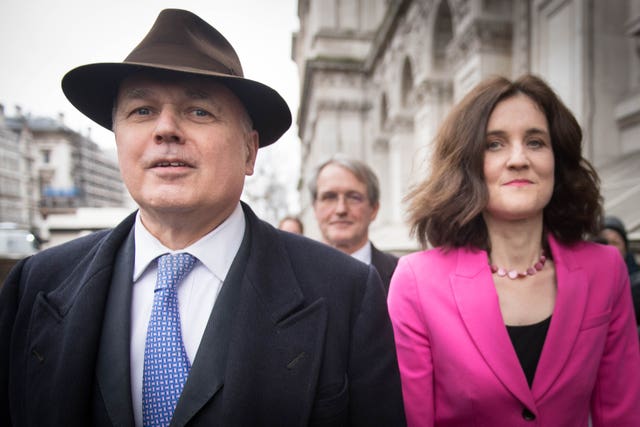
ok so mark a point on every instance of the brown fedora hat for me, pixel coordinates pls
(179, 41)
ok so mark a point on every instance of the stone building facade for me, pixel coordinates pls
(378, 77)
(49, 171)
(18, 180)
(72, 170)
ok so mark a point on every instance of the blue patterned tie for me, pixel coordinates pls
(166, 365)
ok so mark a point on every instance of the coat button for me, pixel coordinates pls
(528, 415)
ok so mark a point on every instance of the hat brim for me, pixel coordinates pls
(93, 88)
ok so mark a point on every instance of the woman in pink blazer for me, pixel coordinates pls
(513, 319)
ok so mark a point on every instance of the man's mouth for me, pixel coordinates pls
(170, 164)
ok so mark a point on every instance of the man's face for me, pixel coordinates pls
(615, 239)
(184, 147)
(290, 225)
(343, 209)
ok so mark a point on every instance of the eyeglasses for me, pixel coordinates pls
(351, 198)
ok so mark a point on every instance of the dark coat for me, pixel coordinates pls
(299, 335)
(385, 263)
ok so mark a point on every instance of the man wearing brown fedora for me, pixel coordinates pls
(192, 311)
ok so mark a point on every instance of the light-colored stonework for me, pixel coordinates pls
(378, 76)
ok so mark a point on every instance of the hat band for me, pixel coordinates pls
(182, 58)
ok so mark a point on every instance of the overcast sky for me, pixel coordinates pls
(40, 40)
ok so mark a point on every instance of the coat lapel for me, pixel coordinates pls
(478, 304)
(571, 301)
(66, 327)
(207, 372)
(113, 366)
(259, 313)
(385, 264)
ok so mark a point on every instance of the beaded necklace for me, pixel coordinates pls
(514, 274)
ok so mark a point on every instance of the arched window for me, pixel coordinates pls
(443, 33)
(384, 111)
(407, 81)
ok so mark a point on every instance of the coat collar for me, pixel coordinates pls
(269, 270)
(113, 364)
(207, 373)
(67, 323)
(98, 268)
(477, 301)
(260, 307)
(261, 276)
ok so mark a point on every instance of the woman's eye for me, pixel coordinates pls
(493, 145)
(535, 143)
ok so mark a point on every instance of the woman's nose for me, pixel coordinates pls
(518, 156)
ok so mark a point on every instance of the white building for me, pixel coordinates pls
(378, 77)
(53, 183)
(72, 171)
(63, 227)
(18, 179)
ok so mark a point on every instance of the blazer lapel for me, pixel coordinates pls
(478, 304)
(113, 366)
(571, 301)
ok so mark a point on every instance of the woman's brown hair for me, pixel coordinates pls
(446, 208)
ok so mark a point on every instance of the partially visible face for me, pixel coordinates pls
(184, 146)
(291, 226)
(343, 209)
(518, 161)
(615, 239)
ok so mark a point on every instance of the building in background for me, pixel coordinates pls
(18, 178)
(72, 171)
(378, 77)
(50, 178)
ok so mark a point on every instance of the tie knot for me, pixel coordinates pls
(172, 268)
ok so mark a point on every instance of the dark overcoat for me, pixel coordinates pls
(385, 263)
(298, 336)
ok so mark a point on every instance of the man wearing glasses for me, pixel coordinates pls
(346, 199)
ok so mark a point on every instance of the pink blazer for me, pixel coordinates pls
(458, 365)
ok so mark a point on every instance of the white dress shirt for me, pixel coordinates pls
(364, 253)
(197, 293)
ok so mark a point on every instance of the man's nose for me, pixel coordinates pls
(341, 203)
(167, 126)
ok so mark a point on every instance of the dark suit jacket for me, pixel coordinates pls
(385, 263)
(299, 335)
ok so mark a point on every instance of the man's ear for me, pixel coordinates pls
(252, 145)
(374, 212)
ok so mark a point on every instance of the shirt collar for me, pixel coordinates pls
(216, 250)
(364, 253)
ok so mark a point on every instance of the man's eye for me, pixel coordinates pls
(355, 198)
(327, 197)
(201, 113)
(142, 111)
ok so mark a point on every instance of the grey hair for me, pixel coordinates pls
(361, 171)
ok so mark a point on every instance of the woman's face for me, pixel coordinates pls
(518, 161)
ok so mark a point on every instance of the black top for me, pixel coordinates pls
(528, 340)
